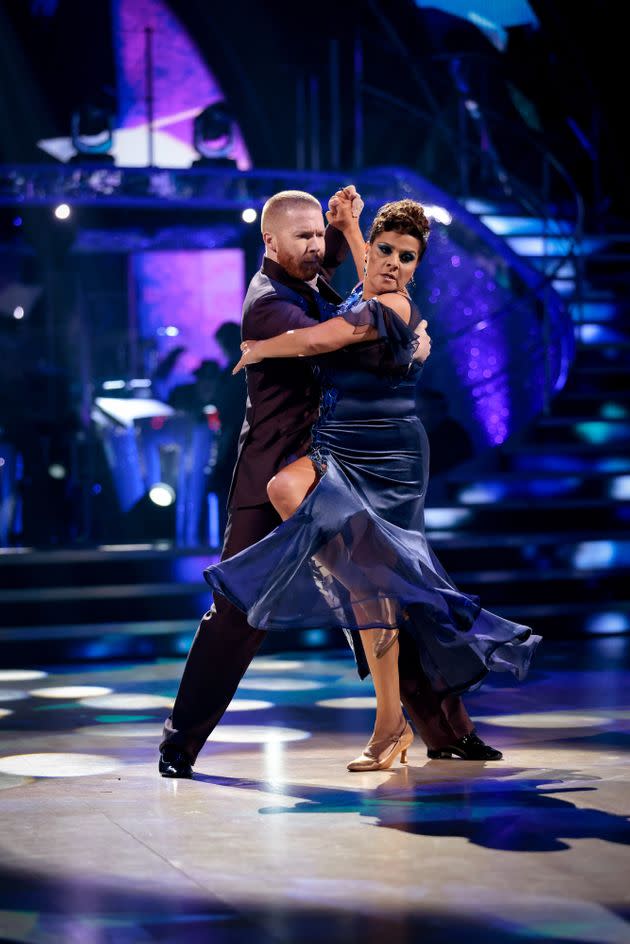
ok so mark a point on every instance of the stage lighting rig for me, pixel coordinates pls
(213, 136)
(92, 134)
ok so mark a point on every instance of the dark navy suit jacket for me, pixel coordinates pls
(282, 393)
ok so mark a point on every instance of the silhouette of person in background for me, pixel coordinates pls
(160, 376)
(218, 387)
(192, 397)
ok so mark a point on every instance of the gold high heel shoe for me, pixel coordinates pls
(380, 755)
(384, 641)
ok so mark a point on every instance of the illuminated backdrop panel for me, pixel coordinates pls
(191, 291)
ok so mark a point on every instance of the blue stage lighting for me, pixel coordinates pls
(214, 535)
(314, 637)
(594, 555)
(482, 493)
(613, 411)
(608, 623)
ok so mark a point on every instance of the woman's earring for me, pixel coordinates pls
(412, 282)
(365, 268)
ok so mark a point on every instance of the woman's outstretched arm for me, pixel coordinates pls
(304, 342)
(319, 339)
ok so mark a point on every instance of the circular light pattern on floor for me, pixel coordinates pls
(12, 694)
(357, 702)
(127, 701)
(125, 730)
(57, 765)
(248, 704)
(256, 734)
(281, 684)
(20, 675)
(71, 691)
(273, 665)
(547, 719)
(8, 781)
(4, 712)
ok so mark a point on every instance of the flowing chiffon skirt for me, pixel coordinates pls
(355, 556)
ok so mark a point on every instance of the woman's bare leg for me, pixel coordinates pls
(287, 490)
(384, 672)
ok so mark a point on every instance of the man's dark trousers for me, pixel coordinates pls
(222, 649)
(225, 644)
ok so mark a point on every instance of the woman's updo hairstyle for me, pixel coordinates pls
(402, 216)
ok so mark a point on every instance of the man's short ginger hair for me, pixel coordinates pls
(283, 201)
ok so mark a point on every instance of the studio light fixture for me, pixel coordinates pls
(213, 136)
(92, 134)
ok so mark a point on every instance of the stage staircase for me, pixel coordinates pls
(545, 521)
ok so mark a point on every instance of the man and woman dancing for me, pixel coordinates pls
(332, 446)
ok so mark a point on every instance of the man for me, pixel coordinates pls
(290, 291)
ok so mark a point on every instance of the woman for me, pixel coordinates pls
(351, 552)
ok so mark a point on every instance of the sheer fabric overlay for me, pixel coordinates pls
(354, 555)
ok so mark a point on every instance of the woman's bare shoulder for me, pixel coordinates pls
(398, 302)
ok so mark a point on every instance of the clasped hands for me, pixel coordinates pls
(344, 208)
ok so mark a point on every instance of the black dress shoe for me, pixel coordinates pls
(175, 764)
(469, 747)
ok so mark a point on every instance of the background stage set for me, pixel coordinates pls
(139, 140)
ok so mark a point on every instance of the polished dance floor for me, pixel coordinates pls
(274, 841)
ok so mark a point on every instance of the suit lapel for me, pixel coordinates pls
(321, 300)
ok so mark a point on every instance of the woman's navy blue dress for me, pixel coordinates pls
(354, 555)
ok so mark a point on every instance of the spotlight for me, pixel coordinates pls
(17, 299)
(249, 215)
(57, 471)
(620, 488)
(114, 385)
(213, 135)
(92, 136)
(62, 212)
(162, 494)
(439, 214)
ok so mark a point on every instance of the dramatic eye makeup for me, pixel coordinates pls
(386, 250)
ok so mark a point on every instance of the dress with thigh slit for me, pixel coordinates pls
(354, 555)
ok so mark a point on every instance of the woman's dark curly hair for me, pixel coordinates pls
(402, 216)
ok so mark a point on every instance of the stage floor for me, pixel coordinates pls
(275, 841)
